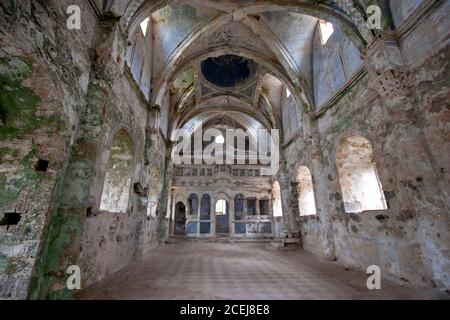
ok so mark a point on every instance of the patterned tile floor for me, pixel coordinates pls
(199, 270)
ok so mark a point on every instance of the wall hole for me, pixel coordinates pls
(10, 219)
(42, 165)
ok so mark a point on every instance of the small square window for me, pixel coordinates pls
(42, 165)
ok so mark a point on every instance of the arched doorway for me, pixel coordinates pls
(180, 219)
(222, 217)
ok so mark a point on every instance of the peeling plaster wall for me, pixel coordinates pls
(42, 89)
(63, 96)
(408, 129)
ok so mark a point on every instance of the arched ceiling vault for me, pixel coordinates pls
(242, 119)
(191, 61)
(277, 56)
(221, 104)
(245, 12)
(342, 12)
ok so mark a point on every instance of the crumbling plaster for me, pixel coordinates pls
(76, 91)
(408, 240)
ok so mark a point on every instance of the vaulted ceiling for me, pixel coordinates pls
(274, 37)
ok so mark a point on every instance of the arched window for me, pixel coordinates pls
(116, 189)
(221, 207)
(361, 188)
(239, 207)
(277, 208)
(205, 208)
(305, 190)
(251, 207)
(264, 207)
(193, 205)
(291, 115)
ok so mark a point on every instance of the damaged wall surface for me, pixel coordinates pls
(89, 121)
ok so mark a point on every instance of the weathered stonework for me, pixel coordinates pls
(87, 119)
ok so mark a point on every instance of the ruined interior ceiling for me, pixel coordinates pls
(235, 51)
(275, 37)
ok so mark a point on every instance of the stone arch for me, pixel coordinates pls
(222, 213)
(119, 173)
(218, 106)
(239, 206)
(358, 176)
(305, 192)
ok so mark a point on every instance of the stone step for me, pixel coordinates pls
(291, 240)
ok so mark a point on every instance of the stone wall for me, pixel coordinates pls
(65, 93)
(403, 112)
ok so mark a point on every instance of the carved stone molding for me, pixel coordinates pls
(392, 84)
(389, 75)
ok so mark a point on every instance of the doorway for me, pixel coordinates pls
(222, 217)
(180, 219)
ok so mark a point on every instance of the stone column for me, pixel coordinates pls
(286, 201)
(231, 217)
(213, 215)
(324, 187)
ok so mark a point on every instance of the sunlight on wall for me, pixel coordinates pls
(361, 188)
(277, 208)
(306, 201)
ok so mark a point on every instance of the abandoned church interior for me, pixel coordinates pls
(352, 95)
